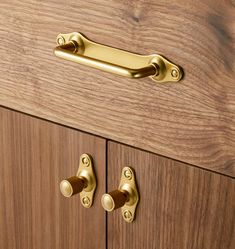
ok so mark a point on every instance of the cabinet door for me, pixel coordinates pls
(181, 206)
(35, 155)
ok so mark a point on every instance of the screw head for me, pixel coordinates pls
(86, 201)
(128, 174)
(85, 161)
(61, 40)
(175, 73)
(127, 215)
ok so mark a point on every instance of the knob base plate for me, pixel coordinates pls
(128, 184)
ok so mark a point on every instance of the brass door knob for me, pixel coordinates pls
(125, 197)
(84, 182)
(72, 186)
(114, 200)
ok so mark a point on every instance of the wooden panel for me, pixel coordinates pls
(35, 156)
(192, 121)
(180, 206)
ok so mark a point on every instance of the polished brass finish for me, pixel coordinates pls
(84, 182)
(126, 196)
(114, 200)
(72, 186)
(77, 48)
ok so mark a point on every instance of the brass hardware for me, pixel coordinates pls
(77, 48)
(84, 182)
(72, 186)
(126, 196)
(114, 200)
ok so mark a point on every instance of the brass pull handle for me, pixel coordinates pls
(69, 52)
(84, 182)
(75, 47)
(125, 197)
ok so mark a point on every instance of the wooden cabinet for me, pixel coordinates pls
(178, 120)
(179, 137)
(180, 206)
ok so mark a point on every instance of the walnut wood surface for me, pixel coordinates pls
(34, 157)
(180, 206)
(192, 121)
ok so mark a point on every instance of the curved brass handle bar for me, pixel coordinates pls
(77, 48)
(65, 52)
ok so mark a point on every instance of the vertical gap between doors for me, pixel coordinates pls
(106, 191)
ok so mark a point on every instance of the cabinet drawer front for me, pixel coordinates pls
(192, 120)
(180, 206)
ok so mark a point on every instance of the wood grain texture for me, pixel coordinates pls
(180, 206)
(34, 157)
(192, 121)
